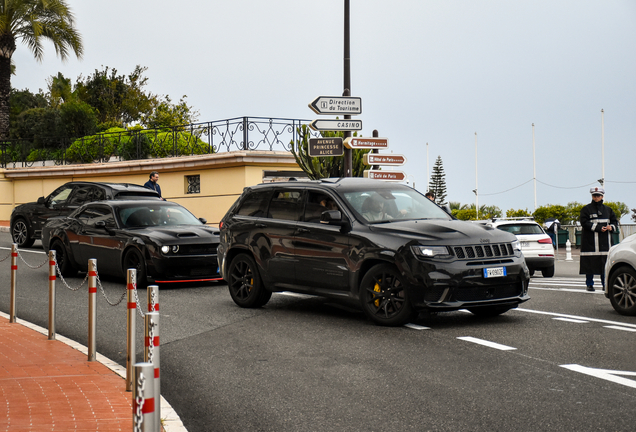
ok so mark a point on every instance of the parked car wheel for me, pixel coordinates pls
(245, 284)
(384, 298)
(547, 272)
(62, 259)
(622, 291)
(489, 311)
(20, 233)
(134, 260)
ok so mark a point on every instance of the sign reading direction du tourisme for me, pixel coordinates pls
(346, 105)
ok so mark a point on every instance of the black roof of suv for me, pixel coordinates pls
(28, 219)
(384, 246)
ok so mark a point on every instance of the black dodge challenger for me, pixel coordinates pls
(162, 240)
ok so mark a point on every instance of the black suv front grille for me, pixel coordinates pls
(491, 292)
(484, 251)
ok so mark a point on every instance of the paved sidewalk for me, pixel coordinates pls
(50, 386)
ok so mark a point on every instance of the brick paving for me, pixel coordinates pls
(49, 386)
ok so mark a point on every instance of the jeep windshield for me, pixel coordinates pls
(386, 205)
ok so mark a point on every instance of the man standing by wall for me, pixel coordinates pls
(598, 222)
(153, 183)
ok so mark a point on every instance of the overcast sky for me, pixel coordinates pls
(430, 72)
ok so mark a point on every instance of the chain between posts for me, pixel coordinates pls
(141, 313)
(141, 383)
(29, 265)
(123, 296)
(7, 257)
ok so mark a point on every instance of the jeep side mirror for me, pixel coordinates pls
(41, 200)
(334, 217)
(203, 220)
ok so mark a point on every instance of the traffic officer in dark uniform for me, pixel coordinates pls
(598, 222)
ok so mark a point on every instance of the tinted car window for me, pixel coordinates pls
(255, 204)
(318, 202)
(521, 228)
(83, 195)
(61, 194)
(92, 215)
(285, 204)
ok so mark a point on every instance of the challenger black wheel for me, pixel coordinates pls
(62, 259)
(20, 233)
(384, 298)
(489, 311)
(246, 287)
(134, 260)
(622, 291)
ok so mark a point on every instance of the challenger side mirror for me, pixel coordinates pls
(203, 220)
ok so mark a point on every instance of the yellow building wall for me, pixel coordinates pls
(222, 179)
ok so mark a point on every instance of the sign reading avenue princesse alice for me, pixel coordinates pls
(324, 147)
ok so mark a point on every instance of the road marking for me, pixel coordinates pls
(620, 328)
(599, 291)
(416, 327)
(572, 320)
(575, 317)
(486, 343)
(608, 375)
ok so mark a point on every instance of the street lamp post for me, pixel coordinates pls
(348, 158)
(476, 181)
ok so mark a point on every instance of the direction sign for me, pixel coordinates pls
(366, 143)
(336, 125)
(323, 147)
(383, 159)
(337, 105)
(398, 176)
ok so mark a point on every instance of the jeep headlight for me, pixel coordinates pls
(516, 246)
(431, 251)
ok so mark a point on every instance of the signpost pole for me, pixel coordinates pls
(348, 159)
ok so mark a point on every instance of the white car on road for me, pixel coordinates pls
(536, 245)
(620, 272)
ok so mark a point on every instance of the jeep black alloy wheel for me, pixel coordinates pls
(622, 291)
(20, 233)
(246, 287)
(384, 298)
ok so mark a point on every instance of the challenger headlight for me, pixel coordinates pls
(431, 251)
(165, 249)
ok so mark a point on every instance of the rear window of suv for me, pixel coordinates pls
(518, 229)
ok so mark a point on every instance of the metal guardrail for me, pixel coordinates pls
(240, 133)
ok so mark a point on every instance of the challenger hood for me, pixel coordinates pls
(182, 234)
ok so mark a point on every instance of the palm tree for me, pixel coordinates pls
(33, 21)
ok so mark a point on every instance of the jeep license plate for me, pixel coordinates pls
(494, 272)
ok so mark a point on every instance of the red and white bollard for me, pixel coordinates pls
(14, 276)
(131, 281)
(52, 278)
(92, 309)
(151, 355)
(143, 399)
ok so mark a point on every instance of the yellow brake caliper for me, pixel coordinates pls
(376, 288)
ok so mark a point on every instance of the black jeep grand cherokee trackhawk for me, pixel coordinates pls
(384, 246)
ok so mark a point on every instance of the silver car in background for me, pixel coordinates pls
(620, 276)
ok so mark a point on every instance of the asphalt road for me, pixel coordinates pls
(564, 361)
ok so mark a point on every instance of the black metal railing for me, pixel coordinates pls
(240, 133)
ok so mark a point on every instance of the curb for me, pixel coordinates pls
(5, 229)
(170, 419)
